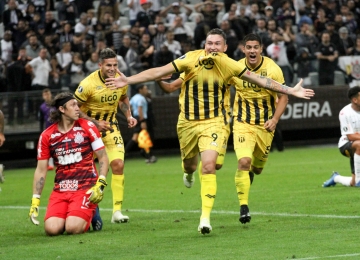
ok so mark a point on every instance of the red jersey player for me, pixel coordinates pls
(72, 142)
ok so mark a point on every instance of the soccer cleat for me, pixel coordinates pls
(204, 226)
(2, 178)
(244, 214)
(330, 182)
(189, 180)
(96, 221)
(117, 217)
(50, 168)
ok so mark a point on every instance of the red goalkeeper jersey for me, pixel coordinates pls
(72, 153)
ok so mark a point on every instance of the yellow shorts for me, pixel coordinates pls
(114, 144)
(221, 157)
(253, 142)
(196, 136)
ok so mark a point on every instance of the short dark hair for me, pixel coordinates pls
(252, 37)
(353, 92)
(107, 53)
(217, 31)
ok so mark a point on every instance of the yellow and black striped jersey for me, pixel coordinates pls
(97, 100)
(205, 88)
(253, 104)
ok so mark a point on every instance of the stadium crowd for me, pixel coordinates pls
(56, 43)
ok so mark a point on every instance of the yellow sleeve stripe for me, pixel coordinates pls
(175, 67)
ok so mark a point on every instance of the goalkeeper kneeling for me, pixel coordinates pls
(78, 187)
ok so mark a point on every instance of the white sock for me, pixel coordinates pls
(343, 180)
(357, 167)
(51, 162)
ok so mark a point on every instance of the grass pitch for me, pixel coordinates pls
(293, 217)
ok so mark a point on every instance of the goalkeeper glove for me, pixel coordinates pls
(34, 210)
(97, 191)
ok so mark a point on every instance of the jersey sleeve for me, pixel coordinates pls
(94, 134)
(43, 147)
(83, 91)
(345, 124)
(229, 67)
(186, 62)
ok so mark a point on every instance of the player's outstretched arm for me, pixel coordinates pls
(170, 87)
(144, 76)
(265, 82)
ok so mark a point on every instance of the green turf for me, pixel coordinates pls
(293, 217)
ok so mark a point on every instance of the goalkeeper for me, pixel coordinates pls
(78, 187)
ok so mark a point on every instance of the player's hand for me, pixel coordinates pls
(97, 191)
(2, 139)
(270, 125)
(115, 83)
(34, 210)
(300, 92)
(131, 122)
(104, 126)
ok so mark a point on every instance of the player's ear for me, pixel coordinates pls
(225, 47)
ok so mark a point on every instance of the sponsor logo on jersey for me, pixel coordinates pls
(55, 135)
(77, 128)
(111, 99)
(78, 138)
(91, 124)
(68, 185)
(66, 139)
(93, 134)
(53, 143)
(69, 158)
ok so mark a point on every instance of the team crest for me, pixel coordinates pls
(78, 138)
(355, 72)
(263, 73)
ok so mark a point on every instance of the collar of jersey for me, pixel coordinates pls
(258, 67)
(101, 78)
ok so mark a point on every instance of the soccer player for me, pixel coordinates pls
(349, 142)
(201, 121)
(78, 188)
(99, 105)
(2, 140)
(256, 113)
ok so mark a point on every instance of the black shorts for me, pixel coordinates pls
(347, 151)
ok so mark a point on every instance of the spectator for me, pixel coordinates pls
(113, 38)
(269, 13)
(51, 25)
(126, 41)
(132, 59)
(41, 7)
(41, 69)
(172, 45)
(176, 11)
(164, 56)
(106, 22)
(338, 22)
(45, 110)
(306, 39)
(232, 13)
(286, 11)
(84, 6)
(351, 24)
(108, 6)
(231, 38)
(134, 9)
(146, 51)
(182, 32)
(255, 14)
(55, 73)
(64, 58)
(92, 64)
(76, 71)
(145, 16)
(330, 9)
(327, 56)
(67, 34)
(11, 16)
(33, 48)
(310, 9)
(135, 31)
(334, 35)
(346, 42)
(82, 27)
(209, 10)
(91, 21)
(121, 64)
(7, 47)
(50, 45)
(67, 12)
(30, 12)
(245, 21)
(320, 22)
(88, 48)
(158, 34)
(277, 52)
(77, 43)
(262, 31)
(356, 49)
(304, 65)
(200, 32)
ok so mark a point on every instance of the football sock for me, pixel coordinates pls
(242, 183)
(251, 175)
(208, 193)
(357, 167)
(343, 180)
(117, 187)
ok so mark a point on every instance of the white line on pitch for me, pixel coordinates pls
(224, 212)
(331, 256)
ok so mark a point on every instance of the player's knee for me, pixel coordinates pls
(208, 167)
(255, 170)
(244, 163)
(53, 230)
(117, 166)
(190, 168)
(74, 229)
